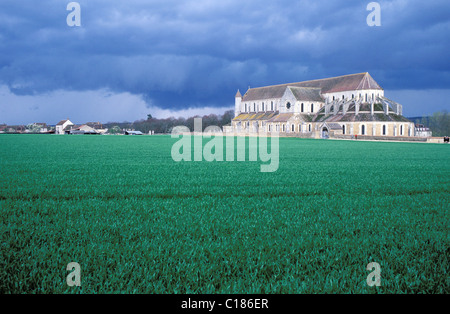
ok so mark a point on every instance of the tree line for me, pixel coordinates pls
(165, 126)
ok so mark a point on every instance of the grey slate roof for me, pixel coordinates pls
(282, 117)
(334, 126)
(62, 122)
(256, 116)
(72, 127)
(358, 81)
(306, 93)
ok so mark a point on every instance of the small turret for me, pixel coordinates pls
(237, 104)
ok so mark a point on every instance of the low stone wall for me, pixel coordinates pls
(382, 138)
(435, 140)
(336, 136)
(281, 134)
(297, 135)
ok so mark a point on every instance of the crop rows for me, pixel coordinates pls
(138, 222)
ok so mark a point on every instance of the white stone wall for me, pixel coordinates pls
(296, 105)
(288, 97)
(248, 106)
(60, 128)
(307, 106)
(376, 128)
(279, 104)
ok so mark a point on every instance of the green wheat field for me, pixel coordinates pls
(138, 222)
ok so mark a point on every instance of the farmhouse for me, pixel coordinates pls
(67, 127)
(341, 106)
(80, 129)
(98, 127)
(62, 126)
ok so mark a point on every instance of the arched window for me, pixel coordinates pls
(288, 105)
(254, 107)
(333, 98)
(245, 107)
(262, 106)
(309, 127)
(283, 127)
(302, 108)
(312, 107)
(343, 129)
(353, 96)
(293, 128)
(384, 129)
(271, 106)
(401, 129)
(343, 97)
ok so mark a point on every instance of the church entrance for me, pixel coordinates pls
(325, 133)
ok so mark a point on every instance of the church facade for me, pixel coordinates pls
(344, 106)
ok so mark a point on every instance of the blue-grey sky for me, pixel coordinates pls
(185, 57)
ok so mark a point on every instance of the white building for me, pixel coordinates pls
(422, 131)
(345, 105)
(62, 125)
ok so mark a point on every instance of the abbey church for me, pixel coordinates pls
(339, 107)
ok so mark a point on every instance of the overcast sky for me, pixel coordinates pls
(185, 57)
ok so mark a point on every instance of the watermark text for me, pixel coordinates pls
(213, 150)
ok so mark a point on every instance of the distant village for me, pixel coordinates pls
(148, 126)
(67, 127)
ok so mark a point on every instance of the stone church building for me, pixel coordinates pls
(342, 106)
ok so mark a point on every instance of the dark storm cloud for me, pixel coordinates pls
(181, 54)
